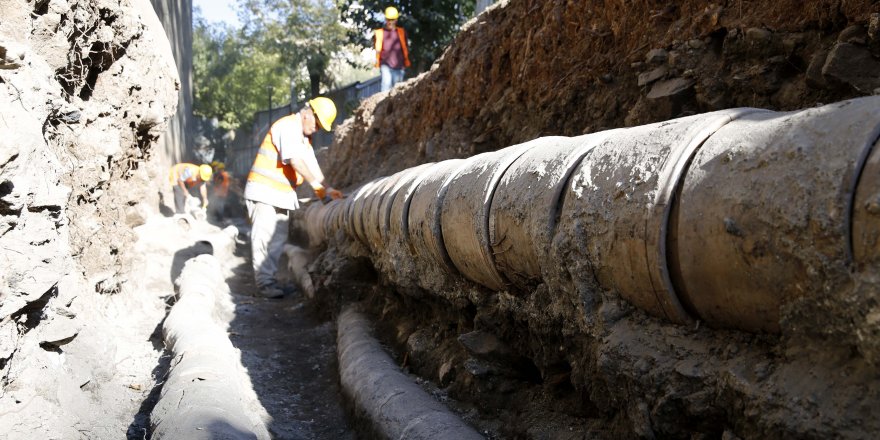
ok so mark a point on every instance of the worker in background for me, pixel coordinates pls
(392, 54)
(220, 189)
(284, 161)
(185, 178)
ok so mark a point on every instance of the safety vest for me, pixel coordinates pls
(380, 34)
(221, 184)
(181, 169)
(268, 171)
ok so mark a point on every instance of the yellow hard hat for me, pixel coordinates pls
(217, 165)
(391, 13)
(205, 172)
(324, 110)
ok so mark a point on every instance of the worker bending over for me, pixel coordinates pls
(284, 161)
(186, 177)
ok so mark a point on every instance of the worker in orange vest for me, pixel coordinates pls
(185, 177)
(284, 161)
(220, 188)
(392, 53)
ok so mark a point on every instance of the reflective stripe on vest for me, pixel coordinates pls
(268, 169)
(380, 35)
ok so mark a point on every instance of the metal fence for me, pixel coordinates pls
(244, 148)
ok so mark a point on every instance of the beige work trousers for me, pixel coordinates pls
(268, 236)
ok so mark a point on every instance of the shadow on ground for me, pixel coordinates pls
(290, 356)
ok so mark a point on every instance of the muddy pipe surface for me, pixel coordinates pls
(207, 394)
(725, 217)
(527, 200)
(764, 211)
(396, 407)
(464, 214)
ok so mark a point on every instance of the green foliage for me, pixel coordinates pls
(282, 45)
(232, 79)
(303, 33)
(430, 24)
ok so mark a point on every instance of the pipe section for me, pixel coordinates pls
(207, 394)
(525, 208)
(724, 217)
(464, 215)
(764, 216)
(397, 407)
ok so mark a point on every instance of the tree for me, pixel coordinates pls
(305, 34)
(231, 78)
(430, 24)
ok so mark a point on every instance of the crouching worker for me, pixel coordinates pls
(185, 178)
(284, 161)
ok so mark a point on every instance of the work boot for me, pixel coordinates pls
(271, 291)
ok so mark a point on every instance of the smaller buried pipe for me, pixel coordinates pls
(207, 394)
(396, 406)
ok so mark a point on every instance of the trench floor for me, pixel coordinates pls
(290, 356)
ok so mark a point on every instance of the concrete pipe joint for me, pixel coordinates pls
(464, 215)
(724, 217)
(423, 221)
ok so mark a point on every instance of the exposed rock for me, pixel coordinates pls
(874, 27)
(853, 65)
(758, 35)
(656, 56)
(854, 34)
(655, 74)
(814, 77)
(672, 88)
(484, 345)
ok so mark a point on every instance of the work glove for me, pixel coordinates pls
(320, 192)
(335, 194)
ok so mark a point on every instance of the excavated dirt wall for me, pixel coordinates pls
(580, 362)
(526, 68)
(85, 87)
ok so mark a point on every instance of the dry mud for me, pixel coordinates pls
(85, 86)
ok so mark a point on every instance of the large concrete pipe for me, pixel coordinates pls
(374, 217)
(354, 205)
(526, 205)
(621, 195)
(464, 214)
(425, 234)
(360, 209)
(690, 218)
(386, 207)
(764, 214)
(314, 224)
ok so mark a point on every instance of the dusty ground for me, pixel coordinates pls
(289, 354)
(291, 357)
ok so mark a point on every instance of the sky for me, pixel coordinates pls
(218, 10)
